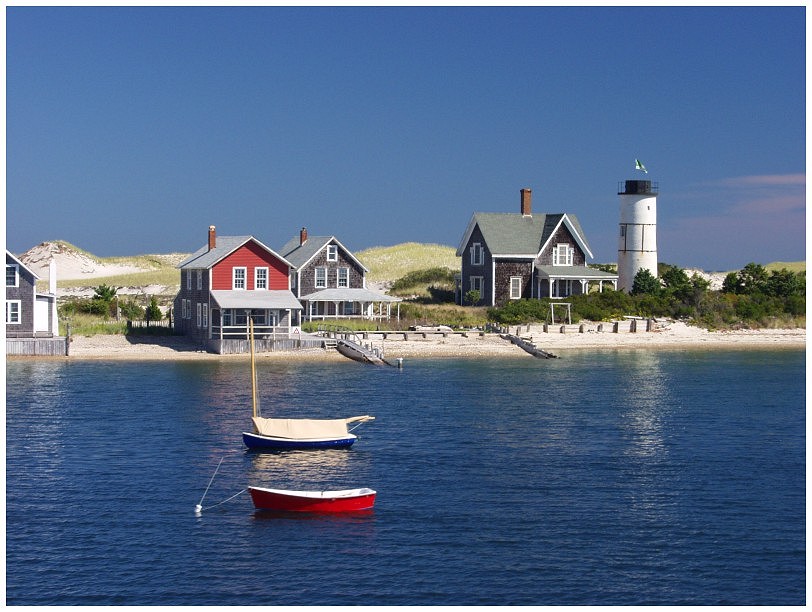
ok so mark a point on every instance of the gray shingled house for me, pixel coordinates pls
(512, 256)
(331, 282)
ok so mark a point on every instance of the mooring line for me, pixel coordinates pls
(220, 503)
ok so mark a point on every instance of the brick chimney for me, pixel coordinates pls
(302, 236)
(212, 237)
(527, 209)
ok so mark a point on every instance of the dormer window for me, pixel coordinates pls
(563, 255)
(477, 254)
(332, 252)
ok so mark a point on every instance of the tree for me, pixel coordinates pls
(645, 283)
(752, 278)
(472, 297)
(783, 283)
(153, 312)
(103, 300)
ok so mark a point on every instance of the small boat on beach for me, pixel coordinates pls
(359, 353)
(281, 500)
(295, 434)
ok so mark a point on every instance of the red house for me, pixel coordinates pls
(227, 281)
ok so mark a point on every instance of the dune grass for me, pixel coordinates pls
(388, 264)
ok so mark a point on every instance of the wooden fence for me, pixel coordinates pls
(46, 347)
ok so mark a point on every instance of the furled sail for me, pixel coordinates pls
(304, 428)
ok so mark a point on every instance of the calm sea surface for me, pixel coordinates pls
(638, 477)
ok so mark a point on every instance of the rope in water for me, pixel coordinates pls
(222, 502)
(199, 506)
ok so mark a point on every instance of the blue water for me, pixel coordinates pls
(632, 477)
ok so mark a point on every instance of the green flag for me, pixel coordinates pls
(638, 165)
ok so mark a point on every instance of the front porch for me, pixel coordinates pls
(276, 317)
(556, 282)
(345, 303)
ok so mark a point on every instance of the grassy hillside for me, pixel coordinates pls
(388, 264)
(385, 265)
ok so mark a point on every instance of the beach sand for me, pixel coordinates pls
(671, 335)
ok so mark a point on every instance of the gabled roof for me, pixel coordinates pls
(226, 245)
(22, 265)
(517, 235)
(299, 255)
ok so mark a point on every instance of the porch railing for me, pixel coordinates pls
(261, 332)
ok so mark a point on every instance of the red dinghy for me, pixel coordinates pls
(347, 500)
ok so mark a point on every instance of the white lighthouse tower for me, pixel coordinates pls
(637, 247)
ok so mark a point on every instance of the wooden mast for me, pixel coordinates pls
(253, 367)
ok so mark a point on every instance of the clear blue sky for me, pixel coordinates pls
(131, 130)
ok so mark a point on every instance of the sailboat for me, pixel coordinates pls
(295, 434)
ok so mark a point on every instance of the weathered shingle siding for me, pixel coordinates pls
(24, 292)
(188, 326)
(307, 276)
(506, 269)
(562, 236)
(484, 270)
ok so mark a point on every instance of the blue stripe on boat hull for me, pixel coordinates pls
(254, 441)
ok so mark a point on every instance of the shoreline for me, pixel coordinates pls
(672, 336)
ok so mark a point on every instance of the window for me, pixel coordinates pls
(321, 278)
(239, 278)
(259, 316)
(260, 278)
(515, 287)
(476, 284)
(477, 254)
(199, 314)
(332, 252)
(228, 316)
(205, 316)
(349, 308)
(562, 255)
(12, 277)
(199, 280)
(189, 280)
(343, 277)
(13, 312)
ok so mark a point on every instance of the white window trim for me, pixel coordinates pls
(568, 255)
(332, 252)
(316, 279)
(480, 280)
(199, 280)
(199, 314)
(205, 316)
(19, 305)
(189, 280)
(345, 273)
(477, 254)
(515, 295)
(256, 277)
(234, 278)
(16, 275)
